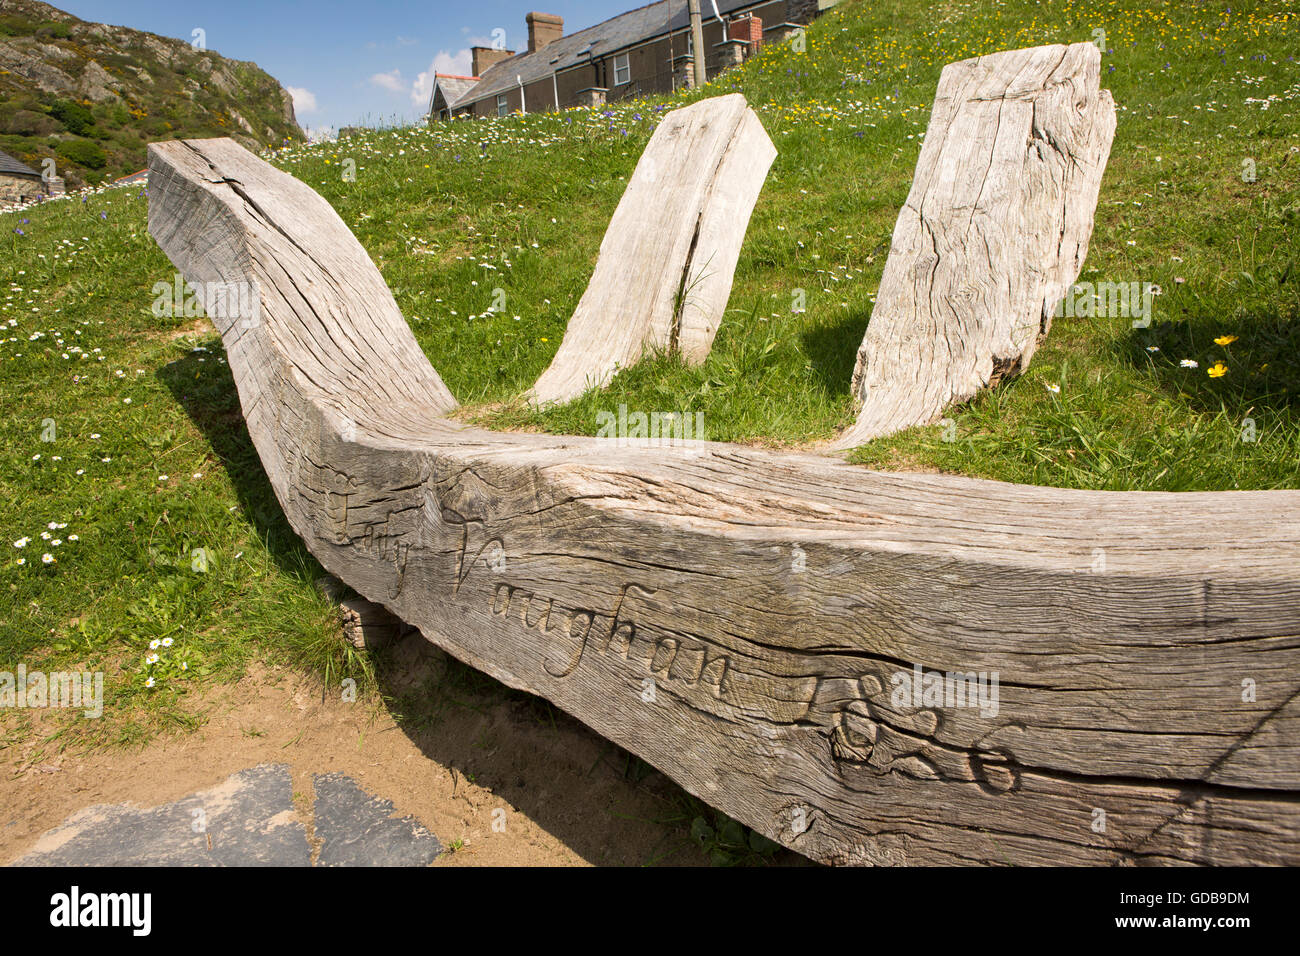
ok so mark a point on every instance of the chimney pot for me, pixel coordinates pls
(543, 28)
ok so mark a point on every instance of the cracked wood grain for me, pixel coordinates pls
(769, 600)
(666, 263)
(993, 233)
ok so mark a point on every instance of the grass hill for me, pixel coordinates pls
(92, 96)
(148, 459)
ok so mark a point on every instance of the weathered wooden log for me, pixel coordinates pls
(664, 272)
(866, 667)
(993, 234)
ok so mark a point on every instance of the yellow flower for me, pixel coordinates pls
(1225, 340)
(1217, 370)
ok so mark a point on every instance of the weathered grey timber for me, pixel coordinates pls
(993, 234)
(743, 619)
(664, 272)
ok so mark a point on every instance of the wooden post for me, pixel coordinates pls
(993, 233)
(664, 273)
(697, 42)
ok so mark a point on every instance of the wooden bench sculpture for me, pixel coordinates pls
(866, 667)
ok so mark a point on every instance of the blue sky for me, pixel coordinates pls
(348, 61)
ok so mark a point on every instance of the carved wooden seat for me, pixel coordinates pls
(764, 627)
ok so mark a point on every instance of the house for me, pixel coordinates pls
(447, 89)
(18, 182)
(646, 50)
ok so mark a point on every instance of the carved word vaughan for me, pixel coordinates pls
(921, 688)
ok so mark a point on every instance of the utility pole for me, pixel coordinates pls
(697, 41)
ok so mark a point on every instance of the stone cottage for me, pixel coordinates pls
(18, 182)
(643, 51)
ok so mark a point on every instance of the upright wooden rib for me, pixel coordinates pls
(994, 232)
(740, 618)
(666, 263)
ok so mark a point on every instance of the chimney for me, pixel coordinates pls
(543, 28)
(481, 57)
(750, 29)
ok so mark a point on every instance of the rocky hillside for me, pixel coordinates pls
(93, 95)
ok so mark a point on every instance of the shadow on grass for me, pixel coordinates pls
(832, 349)
(212, 403)
(1261, 364)
(599, 800)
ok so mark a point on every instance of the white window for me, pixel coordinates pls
(622, 70)
(503, 104)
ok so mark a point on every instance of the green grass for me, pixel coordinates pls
(453, 213)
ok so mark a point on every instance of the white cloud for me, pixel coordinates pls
(457, 64)
(391, 81)
(304, 100)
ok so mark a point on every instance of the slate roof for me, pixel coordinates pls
(10, 165)
(453, 87)
(626, 29)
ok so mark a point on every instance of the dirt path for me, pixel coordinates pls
(558, 793)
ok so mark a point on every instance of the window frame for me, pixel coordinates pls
(625, 69)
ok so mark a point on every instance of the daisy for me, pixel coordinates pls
(1190, 363)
